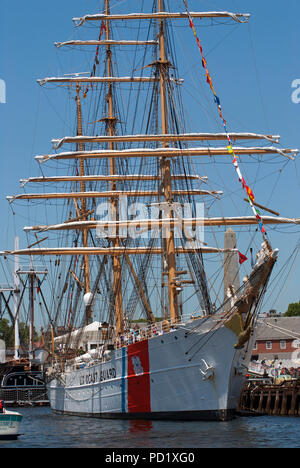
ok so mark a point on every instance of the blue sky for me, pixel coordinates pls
(253, 67)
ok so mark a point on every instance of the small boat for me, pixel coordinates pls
(9, 425)
(22, 387)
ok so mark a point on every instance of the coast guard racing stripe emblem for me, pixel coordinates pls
(138, 378)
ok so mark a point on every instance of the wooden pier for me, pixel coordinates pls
(263, 398)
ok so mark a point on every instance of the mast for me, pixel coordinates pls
(32, 278)
(31, 312)
(111, 124)
(83, 210)
(16, 303)
(166, 171)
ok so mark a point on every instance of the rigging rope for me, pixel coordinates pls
(249, 192)
(96, 60)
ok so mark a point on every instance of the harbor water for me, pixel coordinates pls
(41, 428)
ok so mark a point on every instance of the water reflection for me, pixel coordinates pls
(138, 426)
(42, 428)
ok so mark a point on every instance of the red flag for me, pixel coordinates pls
(242, 258)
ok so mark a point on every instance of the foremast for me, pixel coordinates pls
(83, 211)
(166, 171)
(111, 126)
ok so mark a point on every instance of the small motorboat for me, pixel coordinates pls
(9, 425)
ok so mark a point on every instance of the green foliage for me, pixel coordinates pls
(7, 334)
(293, 310)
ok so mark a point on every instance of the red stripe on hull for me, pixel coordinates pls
(138, 378)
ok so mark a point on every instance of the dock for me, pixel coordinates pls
(271, 399)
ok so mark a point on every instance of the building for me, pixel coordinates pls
(88, 338)
(277, 337)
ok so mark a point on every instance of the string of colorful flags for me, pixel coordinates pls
(249, 192)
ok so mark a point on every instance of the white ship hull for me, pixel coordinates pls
(193, 372)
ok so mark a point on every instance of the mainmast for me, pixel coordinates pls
(166, 172)
(111, 125)
(83, 211)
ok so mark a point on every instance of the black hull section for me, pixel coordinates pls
(9, 437)
(213, 415)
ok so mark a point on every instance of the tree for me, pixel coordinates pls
(7, 334)
(293, 310)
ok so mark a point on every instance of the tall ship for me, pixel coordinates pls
(156, 318)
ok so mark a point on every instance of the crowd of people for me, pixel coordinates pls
(136, 334)
(275, 369)
(294, 372)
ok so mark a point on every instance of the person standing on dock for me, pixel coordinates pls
(2, 407)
